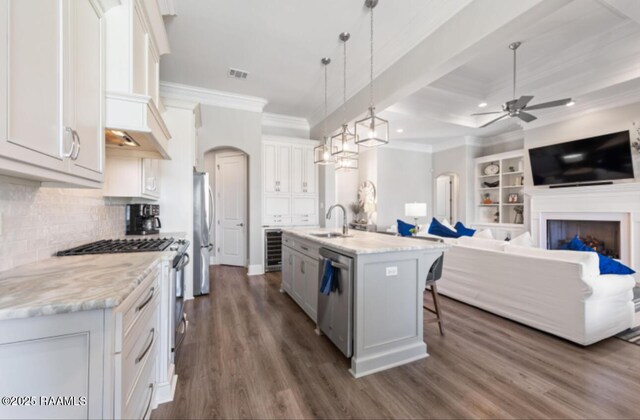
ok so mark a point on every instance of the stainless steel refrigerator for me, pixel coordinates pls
(202, 223)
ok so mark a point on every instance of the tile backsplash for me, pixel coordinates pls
(38, 221)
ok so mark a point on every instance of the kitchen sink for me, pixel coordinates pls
(330, 235)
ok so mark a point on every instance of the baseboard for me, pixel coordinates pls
(165, 391)
(255, 270)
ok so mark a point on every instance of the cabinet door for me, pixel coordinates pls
(150, 177)
(284, 168)
(85, 78)
(299, 283)
(152, 72)
(269, 152)
(311, 272)
(287, 269)
(31, 82)
(310, 171)
(297, 169)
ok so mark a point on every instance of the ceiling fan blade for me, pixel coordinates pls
(549, 104)
(522, 102)
(497, 119)
(526, 117)
(487, 113)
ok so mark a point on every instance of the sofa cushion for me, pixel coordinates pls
(404, 228)
(607, 265)
(463, 230)
(523, 240)
(439, 229)
(490, 244)
(483, 234)
(588, 261)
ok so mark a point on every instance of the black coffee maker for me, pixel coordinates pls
(142, 219)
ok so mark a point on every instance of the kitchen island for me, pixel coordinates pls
(375, 317)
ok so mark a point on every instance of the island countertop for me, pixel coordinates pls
(76, 283)
(365, 242)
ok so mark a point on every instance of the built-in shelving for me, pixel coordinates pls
(500, 212)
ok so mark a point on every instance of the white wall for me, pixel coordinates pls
(459, 160)
(404, 176)
(38, 222)
(347, 189)
(224, 127)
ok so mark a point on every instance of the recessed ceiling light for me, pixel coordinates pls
(571, 103)
(482, 104)
(400, 130)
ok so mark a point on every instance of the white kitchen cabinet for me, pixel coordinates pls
(136, 39)
(52, 121)
(303, 177)
(108, 360)
(277, 168)
(132, 177)
(290, 191)
(300, 274)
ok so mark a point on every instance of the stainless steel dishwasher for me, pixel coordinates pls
(335, 311)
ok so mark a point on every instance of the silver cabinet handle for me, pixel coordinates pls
(146, 411)
(302, 267)
(290, 259)
(240, 224)
(68, 154)
(146, 350)
(147, 300)
(335, 264)
(304, 248)
(76, 136)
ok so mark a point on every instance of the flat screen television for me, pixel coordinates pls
(595, 159)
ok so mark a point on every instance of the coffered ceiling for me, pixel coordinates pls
(435, 60)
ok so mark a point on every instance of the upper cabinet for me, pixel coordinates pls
(290, 182)
(51, 90)
(136, 39)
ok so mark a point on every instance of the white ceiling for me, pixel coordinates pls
(280, 43)
(585, 49)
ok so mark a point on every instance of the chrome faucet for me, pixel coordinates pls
(345, 226)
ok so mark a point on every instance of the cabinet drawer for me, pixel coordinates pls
(277, 221)
(141, 402)
(305, 220)
(135, 306)
(312, 250)
(138, 349)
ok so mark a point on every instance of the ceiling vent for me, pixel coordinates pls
(237, 74)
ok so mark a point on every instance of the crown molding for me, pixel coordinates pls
(453, 142)
(212, 97)
(284, 121)
(507, 137)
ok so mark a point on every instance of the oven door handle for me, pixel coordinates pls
(183, 262)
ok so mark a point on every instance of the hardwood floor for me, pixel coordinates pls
(252, 353)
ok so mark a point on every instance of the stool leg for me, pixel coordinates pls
(436, 303)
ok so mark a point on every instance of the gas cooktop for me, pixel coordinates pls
(118, 246)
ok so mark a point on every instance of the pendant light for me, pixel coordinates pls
(322, 153)
(372, 130)
(343, 144)
(346, 163)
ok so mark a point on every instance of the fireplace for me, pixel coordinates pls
(601, 235)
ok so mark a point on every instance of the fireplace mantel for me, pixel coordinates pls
(604, 202)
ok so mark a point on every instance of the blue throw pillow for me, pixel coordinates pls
(439, 229)
(607, 265)
(404, 228)
(463, 230)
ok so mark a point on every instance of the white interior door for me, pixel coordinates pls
(231, 209)
(443, 198)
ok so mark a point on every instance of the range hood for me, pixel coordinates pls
(134, 127)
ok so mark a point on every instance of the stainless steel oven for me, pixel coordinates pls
(179, 321)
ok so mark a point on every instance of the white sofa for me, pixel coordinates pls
(560, 292)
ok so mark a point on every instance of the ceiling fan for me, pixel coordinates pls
(517, 107)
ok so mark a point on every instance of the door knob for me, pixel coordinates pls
(240, 224)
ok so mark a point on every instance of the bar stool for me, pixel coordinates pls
(435, 272)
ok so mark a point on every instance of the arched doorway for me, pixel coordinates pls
(446, 197)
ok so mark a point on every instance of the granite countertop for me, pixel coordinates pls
(360, 242)
(71, 284)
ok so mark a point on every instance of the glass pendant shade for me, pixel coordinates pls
(322, 154)
(372, 130)
(344, 143)
(346, 163)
